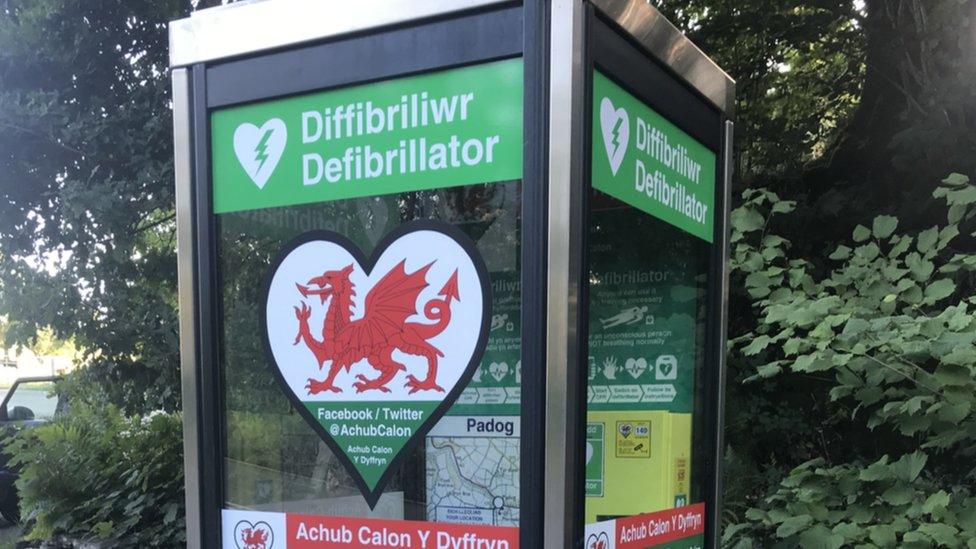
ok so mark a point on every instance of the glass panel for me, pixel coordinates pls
(467, 469)
(650, 224)
(646, 331)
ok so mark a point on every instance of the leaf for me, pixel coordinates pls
(861, 233)
(956, 180)
(883, 535)
(921, 268)
(883, 226)
(952, 373)
(855, 327)
(897, 495)
(819, 537)
(927, 239)
(848, 530)
(956, 213)
(878, 470)
(936, 502)
(792, 525)
(756, 345)
(966, 195)
(908, 467)
(940, 533)
(917, 537)
(783, 206)
(842, 252)
(939, 290)
(746, 219)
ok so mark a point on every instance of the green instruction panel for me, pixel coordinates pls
(644, 160)
(643, 319)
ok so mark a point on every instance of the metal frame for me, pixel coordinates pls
(535, 192)
(563, 384)
(258, 25)
(721, 274)
(185, 254)
(649, 28)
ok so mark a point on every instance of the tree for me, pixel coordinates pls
(87, 235)
(848, 110)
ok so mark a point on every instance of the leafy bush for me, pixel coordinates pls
(887, 325)
(97, 475)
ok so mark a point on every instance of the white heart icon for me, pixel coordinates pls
(259, 149)
(589, 452)
(498, 370)
(615, 126)
(635, 367)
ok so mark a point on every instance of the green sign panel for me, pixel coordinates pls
(443, 129)
(496, 387)
(644, 160)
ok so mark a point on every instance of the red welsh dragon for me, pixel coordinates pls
(381, 330)
(254, 538)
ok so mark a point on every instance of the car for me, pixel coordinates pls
(30, 402)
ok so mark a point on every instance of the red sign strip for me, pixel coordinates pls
(651, 529)
(315, 532)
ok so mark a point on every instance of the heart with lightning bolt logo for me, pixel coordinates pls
(615, 127)
(259, 149)
(373, 350)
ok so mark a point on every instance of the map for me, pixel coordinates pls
(473, 471)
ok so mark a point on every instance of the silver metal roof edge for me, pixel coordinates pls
(257, 25)
(664, 41)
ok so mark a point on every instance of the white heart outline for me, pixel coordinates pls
(253, 525)
(369, 263)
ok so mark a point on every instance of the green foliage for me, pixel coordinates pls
(798, 67)
(884, 330)
(96, 474)
(87, 234)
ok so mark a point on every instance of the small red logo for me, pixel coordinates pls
(257, 535)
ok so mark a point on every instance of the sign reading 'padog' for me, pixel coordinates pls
(649, 163)
(443, 129)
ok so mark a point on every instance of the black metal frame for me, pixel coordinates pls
(534, 243)
(499, 32)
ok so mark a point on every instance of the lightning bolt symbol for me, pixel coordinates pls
(261, 149)
(616, 135)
